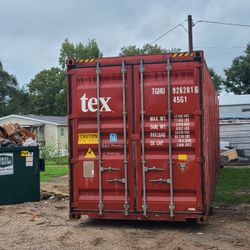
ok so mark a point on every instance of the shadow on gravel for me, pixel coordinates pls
(146, 225)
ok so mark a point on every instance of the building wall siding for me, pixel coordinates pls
(237, 134)
(62, 132)
(50, 135)
(233, 108)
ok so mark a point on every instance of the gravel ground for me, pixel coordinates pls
(45, 225)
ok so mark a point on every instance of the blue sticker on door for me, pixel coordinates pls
(113, 137)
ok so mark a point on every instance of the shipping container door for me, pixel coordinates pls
(167, 118)
(101, 175)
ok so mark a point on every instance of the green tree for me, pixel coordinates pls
(61, 99)
(20, 103)
(45, 90)
(146, 49)
(238, 75)
(13, 99)
(78, 51)
(217, 80)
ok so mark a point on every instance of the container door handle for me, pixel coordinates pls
(154, 169)
(110, 169)
(161, 180)
(117, 180)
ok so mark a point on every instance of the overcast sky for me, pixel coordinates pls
(33, 30)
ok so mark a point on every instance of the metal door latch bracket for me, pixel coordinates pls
(153, 169)
(161, 181)
(116, 180)
(109, 169)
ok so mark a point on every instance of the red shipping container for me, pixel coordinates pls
(143, 137)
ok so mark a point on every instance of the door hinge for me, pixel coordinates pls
(74, 204)
(198, 112)
(200, 159)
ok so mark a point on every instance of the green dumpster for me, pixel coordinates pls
(19, 174)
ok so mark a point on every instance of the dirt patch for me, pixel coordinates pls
(59, 185)
(45, 225)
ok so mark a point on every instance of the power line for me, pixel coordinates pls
(201, 21)
(222, 23)
(178, 25)
(41, 108)
(184, 27)
(220, 47)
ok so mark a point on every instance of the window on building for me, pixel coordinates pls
(246, 110)
(61, 131)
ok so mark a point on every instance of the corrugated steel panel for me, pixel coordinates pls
(144, 139)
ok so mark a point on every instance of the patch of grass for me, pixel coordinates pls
(52, 171)
(233, 186)
(57, 161)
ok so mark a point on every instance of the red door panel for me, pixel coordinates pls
(99, 174)
(154, 182)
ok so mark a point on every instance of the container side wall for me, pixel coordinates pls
(210, 105)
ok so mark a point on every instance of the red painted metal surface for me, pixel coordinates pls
(148, 149)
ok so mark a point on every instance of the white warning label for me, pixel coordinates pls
(6, 164)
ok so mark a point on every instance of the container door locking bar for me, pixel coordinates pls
(124, 114)
(98, 72)
(170, 161)
(161, 180)
(144, 198)
(153, 169)
(109, 169)
(117, 180)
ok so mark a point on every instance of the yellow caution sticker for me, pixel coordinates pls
(182, 157)
(90, 153)
(24, 153)
(87, 138)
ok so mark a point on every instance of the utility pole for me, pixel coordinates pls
(190, 33)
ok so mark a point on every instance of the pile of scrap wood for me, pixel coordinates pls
(228, 156)
(14, 135)
(234, 157)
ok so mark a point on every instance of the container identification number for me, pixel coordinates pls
(181, 93)
(180, 99)
(185, 90)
